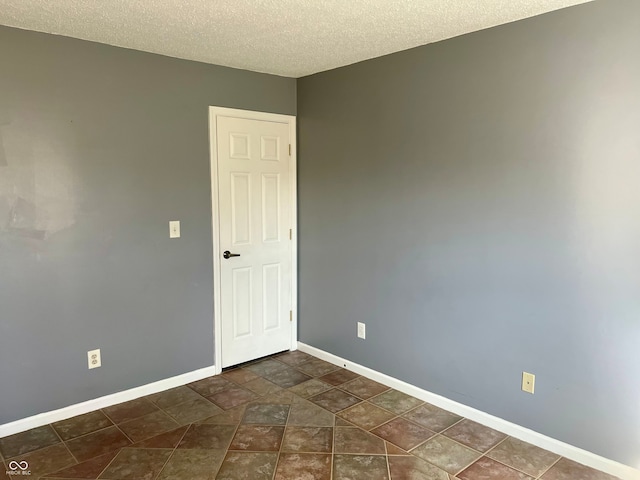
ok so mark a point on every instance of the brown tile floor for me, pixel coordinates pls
(288, 417)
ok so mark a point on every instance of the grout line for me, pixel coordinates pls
(550, 467)
(173, 452)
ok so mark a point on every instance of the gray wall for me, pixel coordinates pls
(476, 202)
(99, 148)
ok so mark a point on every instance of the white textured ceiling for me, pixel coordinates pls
(291, 38)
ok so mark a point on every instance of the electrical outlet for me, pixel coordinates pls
(362, 333)
(95, 360)
(528, 382)
(174, 229)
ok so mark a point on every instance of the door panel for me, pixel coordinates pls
(254, 211)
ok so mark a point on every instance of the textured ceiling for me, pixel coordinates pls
(291, 38)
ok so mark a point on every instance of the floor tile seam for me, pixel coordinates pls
(410, 452)
(144, 398)
(284, 432)
(178, 404)
(5, 460)
(139, 418)
(172, 453)
(486, 454)
(412, 422)
(109, 463)
(550, 467)
(65, 445)
(371, 428)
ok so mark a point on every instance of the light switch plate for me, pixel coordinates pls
(174, 229)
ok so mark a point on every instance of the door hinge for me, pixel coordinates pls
(290, 234)
(291, 315)
(289, 149)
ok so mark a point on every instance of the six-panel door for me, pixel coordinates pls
(254, 203)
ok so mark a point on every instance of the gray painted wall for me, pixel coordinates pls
(476, 202)
(99, 148)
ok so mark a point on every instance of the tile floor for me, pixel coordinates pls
(288, 417)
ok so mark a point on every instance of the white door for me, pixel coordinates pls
(254, 201)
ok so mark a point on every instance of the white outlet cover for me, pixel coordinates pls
(94, 358)
(174, 229)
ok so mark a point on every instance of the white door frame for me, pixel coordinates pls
(214, 113)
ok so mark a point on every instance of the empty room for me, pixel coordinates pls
(296, 240)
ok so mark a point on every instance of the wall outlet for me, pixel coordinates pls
(95, 360)
(528, 382)
(174, 229)
(362, 332)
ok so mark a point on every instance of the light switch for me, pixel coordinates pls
(174, 229)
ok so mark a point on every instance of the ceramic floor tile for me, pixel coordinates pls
(287, 377)
(357, 440)
(360, 467)
(568, 470)
(338, 377)
(207, 436)
(307, 414)
(316, 367)
(432, 417)
(136, 464)
(46, 460)
(488, 469)
(310, 388)
(227, 417)
(261, 386)
(335, 400)
(192, 411)
(308, 439)
(266, 367)
(299, 466)
(283, 397)
(89, 469)
(366, 415)
(413, 468)
(364, 388)
(174, 396)
(124, 412)
(240, 375)
(248, 466)
(232, 397)
(523, 456)
(148, 426)
(193, 465)
(28, 441)
(474, 435)
(294, 358)
(211, 385)
(165, 440)
(97, 443)
(266, 414)
(403, 433)
(81, 425)
(394, 449)
(395, 401)
(257, 438)
(446, 454)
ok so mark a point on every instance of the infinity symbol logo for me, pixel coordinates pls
(18, 465)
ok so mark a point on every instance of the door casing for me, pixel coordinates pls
(214, 113)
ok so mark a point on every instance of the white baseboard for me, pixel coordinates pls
(102, 402)
(560, 448)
